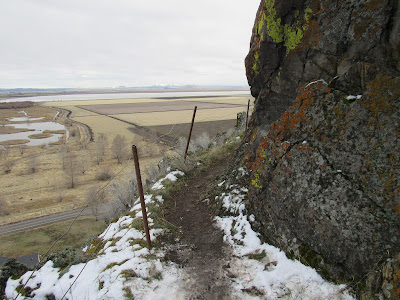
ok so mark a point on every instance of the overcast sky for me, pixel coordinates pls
(106, 43)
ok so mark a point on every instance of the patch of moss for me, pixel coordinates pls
(257, 256)
(289, 35)
(309, 257)
(25, 291)
(95, 246)
(109, 266)
(141, 242)
(137, 223)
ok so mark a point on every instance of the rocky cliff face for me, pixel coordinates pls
(324, 143)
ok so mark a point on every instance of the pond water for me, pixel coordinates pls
(24, 119)
(38, 127)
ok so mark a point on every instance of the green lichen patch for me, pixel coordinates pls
(288, 34)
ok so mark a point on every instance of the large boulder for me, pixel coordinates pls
(323, 149)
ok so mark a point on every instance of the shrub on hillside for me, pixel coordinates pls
(11, 268)
(124, 196)
(104, 175)
(68, 257)
(4, 207)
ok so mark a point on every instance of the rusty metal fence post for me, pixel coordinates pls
(140, 188)
(247, 116)
(190, 132)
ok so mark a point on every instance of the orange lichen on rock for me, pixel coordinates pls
(384, 92)
(290, 121)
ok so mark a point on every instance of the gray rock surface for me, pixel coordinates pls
(323, 145)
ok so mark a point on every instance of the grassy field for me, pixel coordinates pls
(47, 191)
(108, 126)
(40, 239)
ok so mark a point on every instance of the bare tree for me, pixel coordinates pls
(4, 151)
(104, 174)
(123, 198)
(4, 207)
(96, 197)
(71, 169)
(8, 165)
(119, 148)
(128, 194)
(33, 162)
(64, 150)
(73, 132)
(83, 161)
(83, 143)
(100, 148)
(22, 149)
(203, 141)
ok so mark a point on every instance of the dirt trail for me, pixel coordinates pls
(200, 249)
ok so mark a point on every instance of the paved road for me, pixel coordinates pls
(41, 221)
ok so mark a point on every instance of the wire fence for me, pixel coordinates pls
(156, 140)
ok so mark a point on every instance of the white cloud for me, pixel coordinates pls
(93, 43)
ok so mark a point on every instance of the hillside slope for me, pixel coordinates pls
(196, 254)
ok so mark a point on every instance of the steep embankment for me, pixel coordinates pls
(324, 142)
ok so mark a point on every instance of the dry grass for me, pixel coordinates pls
(35, 112)
(39, 240)
(36, 194)
(54, 131)
(98, 123)
(106, 125)
(77, 112)
(43, 135)
(14, 142)
(11, 129)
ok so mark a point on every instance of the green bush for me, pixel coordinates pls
(12, 268)
(68, 257)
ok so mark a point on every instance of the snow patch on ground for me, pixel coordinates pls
(123, 266)
(172, 176)
(261, 271)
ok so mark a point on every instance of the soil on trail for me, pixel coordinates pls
(199, 249)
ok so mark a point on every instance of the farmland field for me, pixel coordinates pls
(119, 116)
